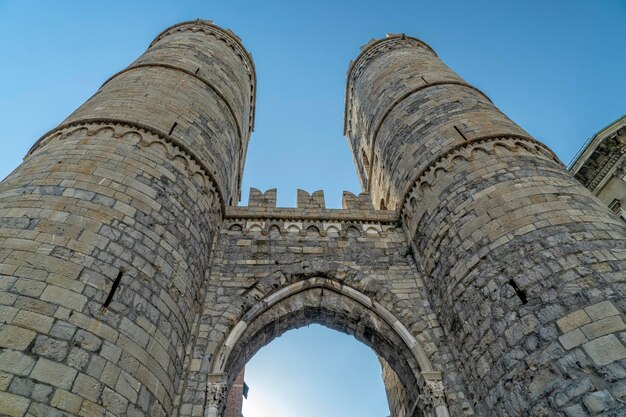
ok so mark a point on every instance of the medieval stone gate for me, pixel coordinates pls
(489, 280)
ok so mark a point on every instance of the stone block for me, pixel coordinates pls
(50, 348)
(89, 409)
(576, 410)
(13, 405)
(78, 358)
(5, 380)
(38, 322)
(114, 402)
(22, 386)
(66, 401)
(605, 349)
(604, 326)
(63, 297)
(62, 330)
(42, 392)
(87, 387)
(53, 373)
(7, 313)
(598, 401)
(601, 310)
(16, 362)
(573, 320)
(13, 337)
(87, 341)
(572, 339)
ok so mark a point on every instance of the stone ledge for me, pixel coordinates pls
(312, 214)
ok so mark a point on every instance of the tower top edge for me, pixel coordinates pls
(211, 26)
(226, 35)
(367, 54)
(389, 37)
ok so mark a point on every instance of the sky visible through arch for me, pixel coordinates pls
(555, 67)
(315, 372)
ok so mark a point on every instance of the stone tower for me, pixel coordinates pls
(487, 280)
(524, 267)
(108, 223)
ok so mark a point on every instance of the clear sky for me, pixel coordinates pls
(556, 67)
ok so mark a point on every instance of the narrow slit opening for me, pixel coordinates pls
(173, 127)
(521, 294)
(460, 133)
(116, 283)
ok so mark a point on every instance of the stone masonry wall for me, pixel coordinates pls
(396, 393)
(234, 402)
(487, 279)
(517, 253)
(106, 230)
(276, 269)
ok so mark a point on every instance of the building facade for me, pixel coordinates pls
(601, 166)
(487, 279)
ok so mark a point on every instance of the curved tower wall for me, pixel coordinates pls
(107, 225)
(524, 266)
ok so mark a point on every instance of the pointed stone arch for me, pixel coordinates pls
(327, 301)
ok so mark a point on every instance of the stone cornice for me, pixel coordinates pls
(615, 129)
(177, 144)
(312, 215)
(516, 141)
(600, 156)
(227, 36)
(213, 88)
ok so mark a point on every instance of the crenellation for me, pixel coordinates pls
(350, 201)
(306, 200)
(257, 198)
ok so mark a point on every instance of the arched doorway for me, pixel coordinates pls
(326, 301)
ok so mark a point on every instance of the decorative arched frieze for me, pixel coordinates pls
(426, 177)
(148, 137)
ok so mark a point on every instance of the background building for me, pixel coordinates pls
(601, 166)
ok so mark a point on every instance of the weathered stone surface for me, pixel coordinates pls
(605, 349)
(488, 281)
(53, 373)
(13, 405)
(512, 246)
(13, 337)
(16, 362)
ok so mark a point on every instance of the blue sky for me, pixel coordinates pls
(556, 67)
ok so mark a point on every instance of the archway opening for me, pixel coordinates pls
(315, 371)
(320, 300)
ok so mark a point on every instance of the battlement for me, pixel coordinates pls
(311, 207)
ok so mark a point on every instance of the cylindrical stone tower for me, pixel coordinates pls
(106, 229)
(523, 265)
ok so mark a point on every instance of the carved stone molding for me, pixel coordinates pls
(463, 151)
(620, 171)
(147, 136)
(433, 394)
